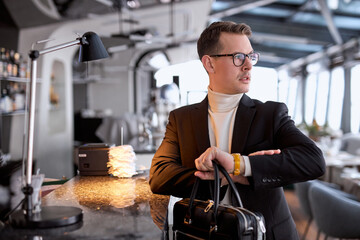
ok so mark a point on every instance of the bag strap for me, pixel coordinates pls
(191, 201)
(230, 181)
(216, 195)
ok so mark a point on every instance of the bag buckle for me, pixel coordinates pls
(208, 207)
(187, 220)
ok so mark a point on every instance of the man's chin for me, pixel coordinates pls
(243, 90)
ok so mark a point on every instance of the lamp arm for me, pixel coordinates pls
(78, 41)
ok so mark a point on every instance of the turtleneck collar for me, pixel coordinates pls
(220, 102)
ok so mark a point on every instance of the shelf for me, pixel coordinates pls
(14, 79)
(17, 79)
(14, 113)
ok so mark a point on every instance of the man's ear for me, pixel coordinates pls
(207, 63)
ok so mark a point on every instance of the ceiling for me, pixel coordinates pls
(283, 31)
(286, 30)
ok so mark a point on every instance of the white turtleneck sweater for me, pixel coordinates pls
(222, 109)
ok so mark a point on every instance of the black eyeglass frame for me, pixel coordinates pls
(234, 54)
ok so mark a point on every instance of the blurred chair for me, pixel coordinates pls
(350, 143)
(301, 191)
(335, 214)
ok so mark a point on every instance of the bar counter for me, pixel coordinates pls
(113, 208)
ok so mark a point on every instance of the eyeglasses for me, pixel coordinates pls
(239, 58)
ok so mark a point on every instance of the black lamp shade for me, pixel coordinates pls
(91, 48)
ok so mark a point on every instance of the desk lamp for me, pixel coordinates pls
(91, 48)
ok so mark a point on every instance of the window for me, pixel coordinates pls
(288, 93)
(336, 98)
(291, 100)
(263, 84)
(193, 80)
(310, 97)
(355, 99)
(284, 85)
(322, 97)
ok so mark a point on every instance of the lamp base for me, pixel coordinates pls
(50, 216)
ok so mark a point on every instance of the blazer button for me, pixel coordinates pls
(264, 180)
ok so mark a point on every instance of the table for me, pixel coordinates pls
(113, 208)
(335, 164)
(352, 186)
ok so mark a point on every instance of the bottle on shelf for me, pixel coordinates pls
(6, 104)
(8, 63)
(18, 97)
(16, 64)
(12, 90)
(2, 61)
(23, 68)
(12, 64)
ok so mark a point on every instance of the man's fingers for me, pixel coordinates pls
(204, 162)
(200, 164)
(257, 153)
(204, 175)
(266, 152)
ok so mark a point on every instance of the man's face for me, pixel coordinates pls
(226, 77)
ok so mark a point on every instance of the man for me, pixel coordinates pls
(232, 128)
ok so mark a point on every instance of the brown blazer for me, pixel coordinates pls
(258, 126)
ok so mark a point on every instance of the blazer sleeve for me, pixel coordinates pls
(300, 158)
(168, 173)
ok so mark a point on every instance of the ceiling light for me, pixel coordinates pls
(333, 4)
(133, 3)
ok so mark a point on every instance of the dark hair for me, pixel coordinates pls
(208, 42)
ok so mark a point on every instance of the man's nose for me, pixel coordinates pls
(247, 66)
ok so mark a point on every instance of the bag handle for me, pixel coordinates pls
(216, 199)
(230, 181)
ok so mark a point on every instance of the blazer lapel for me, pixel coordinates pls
(243, 119)
(199, 119)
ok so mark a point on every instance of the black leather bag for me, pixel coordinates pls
(198, 219)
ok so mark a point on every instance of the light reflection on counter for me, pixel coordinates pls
(102, 192)
(113, 208)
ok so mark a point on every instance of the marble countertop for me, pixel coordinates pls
(113, 208)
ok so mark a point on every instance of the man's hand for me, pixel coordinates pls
(204, 162)
(206, 169)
